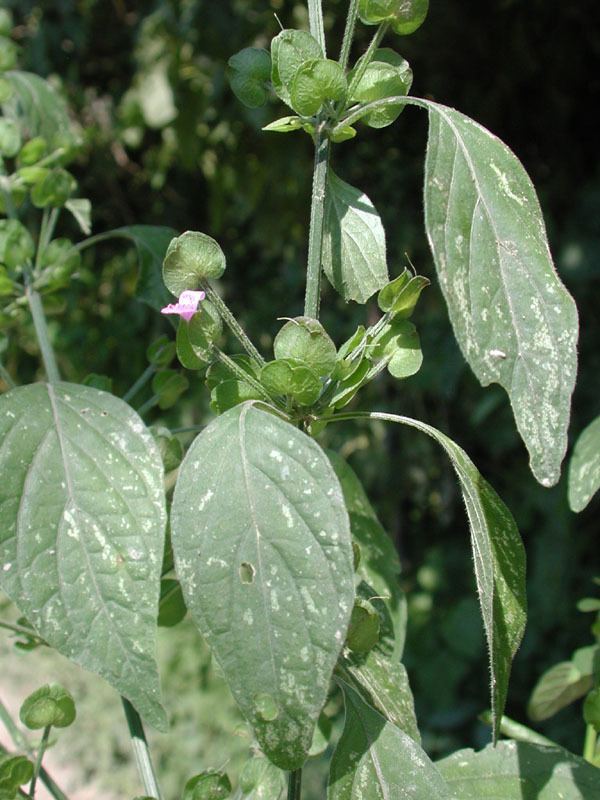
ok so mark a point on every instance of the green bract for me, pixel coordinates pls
(249, 74)
(404, 16)
(14, 772)
(398, 344)
(207, 786)
(363, 631)
(293, 378)
(53, 190)
(284, 125)
(387, 75)
(32, 151)
(16, 245)
(400, 296)
(192, 258)
(306, 340)
(315, 83)
(290, 50)
(48, 705)
(10, 138)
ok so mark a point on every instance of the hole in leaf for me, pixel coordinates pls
(247, 572)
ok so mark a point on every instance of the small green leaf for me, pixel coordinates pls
(205, 328)
(169, 385)
(249, 76)
(387, 75)
(84, 505)
(15, 771)
(191, 357)
(290, 50)
(315, 83)
(16, 245)
(48, 705)
(588, 604)
(364, 628)
(81, 209)
(283, 555)
(514, 320)
(400, 296)
(284, 125)
(10, 138)
(161, 351)
(343, 134)
(399, 346)
(584, 468)
(374, 759)
(558, 687)
(54, 189)
(404, 16)
(354, 257)
(517, 770)
(231, 393)
(151, 242)
(207, 786)
(306, 340)
(291, 377)
(192, 258)
(172, 608)
(32, 151)
(261, 780)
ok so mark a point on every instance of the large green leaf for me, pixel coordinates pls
(519, 771)
(379, 564)
(353, 242)
(514, 320)
(264, 556)
(82, 513)
(498, 556)
(584, 468)
(38, 108)
(375, 760)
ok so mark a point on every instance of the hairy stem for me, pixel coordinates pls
(232, 323)
(516, 730)
(38, 761)
(368, 56)
(140, 383)
(312, 297)
(315, 19)
(141, 751)
(348, 33)
(41, 330)
(295, 785)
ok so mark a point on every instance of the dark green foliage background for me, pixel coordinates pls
(527, 70)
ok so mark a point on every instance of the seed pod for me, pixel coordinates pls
(306, 340)
(404, 16)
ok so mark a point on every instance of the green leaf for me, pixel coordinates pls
(284, 125)
(81, 209)
(207, 786)
(169, 385)
(315, 83)
(282, 555)
(374, 759)
(39, 110)
(293, 378)
(305, 339)
(169, 446)
(249, 76)
(518, 770)
(584, 468)
(15, 770)
(398, 344)
(353, 242)
(514, 320)
(400, 296)
(48, 705)
(498, 557)
(172, 607)
(151, 242)
(558, 687)
(404, 16)
(83, 507)
(290, 50)
(261, 780)
(10, 138)
(387, 75)
(230, 393)
(192, 258)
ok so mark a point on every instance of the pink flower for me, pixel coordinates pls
(186, 306)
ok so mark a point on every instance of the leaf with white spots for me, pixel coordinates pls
(518, 770)
(498, 559)
(584, 468)
(514, 320)
(262, 549)
(375, 760)
(82, 521)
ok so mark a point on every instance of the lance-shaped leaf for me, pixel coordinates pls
(514, 320)
(518, 770)
(498, 557)
(262, 549)
(584, 468)
(353, 242)
(375, 760)
(82, 514)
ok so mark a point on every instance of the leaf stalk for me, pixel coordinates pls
(141, 751)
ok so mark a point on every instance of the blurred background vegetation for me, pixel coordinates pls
(165, 142)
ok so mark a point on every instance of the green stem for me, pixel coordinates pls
(5, 375)
(49, 220)
(141, 751)
(295, 785)
(21, 630)
(148, 405)
(99, 237)
(348, 33)
(242, 375)
(315, 20)
(516, 730)
(38, 761)
(141, 382)
(188, 429)
(312, 297)
(368, 57)
(375, 105)
(41, 330)
(589, 745)
(232, 323)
